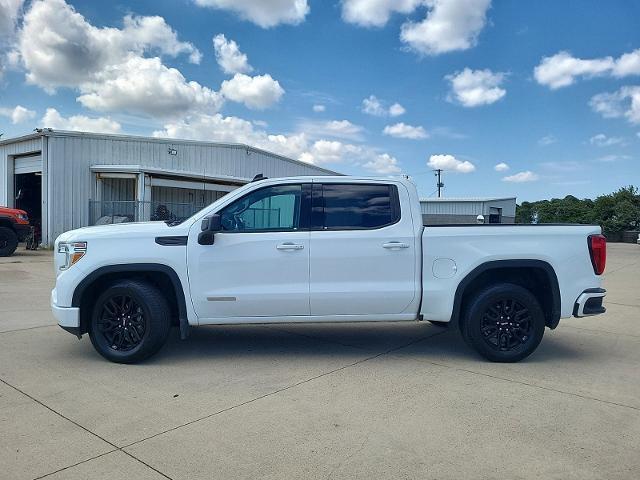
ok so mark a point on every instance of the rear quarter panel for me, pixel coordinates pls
(563, 247)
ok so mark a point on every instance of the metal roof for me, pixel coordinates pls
(48, 132)
(466, 199)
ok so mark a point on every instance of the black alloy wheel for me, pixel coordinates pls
(506, 324)
(130, 321)
(503, 322)
(122, 323)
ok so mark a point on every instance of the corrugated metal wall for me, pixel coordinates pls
(508, 207)
(118, 189)
(451, 208)
(200, 198)
(73, 184)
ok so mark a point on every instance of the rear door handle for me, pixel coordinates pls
(395, 245)
(290, 246)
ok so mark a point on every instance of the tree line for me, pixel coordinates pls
(615, 212)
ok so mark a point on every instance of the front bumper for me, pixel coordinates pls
(67, 317)
(22, 230)
(590, 303)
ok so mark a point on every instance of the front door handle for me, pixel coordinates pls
(290, 246)
(395, 245)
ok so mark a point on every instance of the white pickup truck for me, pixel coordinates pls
(324, 249)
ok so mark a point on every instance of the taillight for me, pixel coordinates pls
(598, 252)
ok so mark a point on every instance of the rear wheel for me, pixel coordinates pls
(504, 323)
(8, 242)
(130, 322)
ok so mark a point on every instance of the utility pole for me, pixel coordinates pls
(440, 184)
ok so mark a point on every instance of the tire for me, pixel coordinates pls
(8, 242)
(493, 333)
(130, 322)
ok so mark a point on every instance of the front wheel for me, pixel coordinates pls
(504, 323)
(8, 242)
(130, 321)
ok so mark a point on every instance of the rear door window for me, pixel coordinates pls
(358, 206)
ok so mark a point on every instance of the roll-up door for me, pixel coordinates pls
(27, 164)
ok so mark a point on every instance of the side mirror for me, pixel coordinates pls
(210, 225)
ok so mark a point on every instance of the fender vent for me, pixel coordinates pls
(173, 241)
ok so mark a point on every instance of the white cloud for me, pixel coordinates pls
(373, 106)
(299, 145)
(547, 140)
(450, 25)
(521, 177)
(375, 13)
(334, 128)
(613, 158)
(601, 140)
(624, 102)
(18, 114)
(451, 163)
(383, 164)
(229, 56)
(473, 88)
(58, 47)
(563, 69)
(81, 123)
(396, 110)
(145, 85)
(9, 13)
(257, 92)
(264, 13)
(501, 167)
(153, 33)
(319, 108)
(402, 130)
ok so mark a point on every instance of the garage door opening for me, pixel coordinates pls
(28, 191)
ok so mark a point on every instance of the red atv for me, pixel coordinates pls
(14, 228)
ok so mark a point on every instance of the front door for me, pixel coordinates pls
(363, 252)
(258, 266)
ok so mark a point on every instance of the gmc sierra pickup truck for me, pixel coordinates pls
(324, 249)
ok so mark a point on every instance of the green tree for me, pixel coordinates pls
(615, 212)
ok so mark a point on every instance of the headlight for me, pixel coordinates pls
(73, 252)
(22, 217)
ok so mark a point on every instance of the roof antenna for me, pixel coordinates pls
(258, 177)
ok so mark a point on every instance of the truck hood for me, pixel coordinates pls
(11, 211)
(123, 230)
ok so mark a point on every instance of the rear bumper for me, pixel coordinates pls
(590, 303)
(67, 317)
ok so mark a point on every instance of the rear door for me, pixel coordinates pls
(363, 252)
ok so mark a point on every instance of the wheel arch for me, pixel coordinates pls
(534, 275)
(159, 274)
(7, 223)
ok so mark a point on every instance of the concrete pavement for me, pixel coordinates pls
(319, 401)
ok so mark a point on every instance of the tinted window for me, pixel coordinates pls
(267, 209)
(349, 206)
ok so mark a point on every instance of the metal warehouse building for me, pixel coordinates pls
(66, 180)
(438, 211)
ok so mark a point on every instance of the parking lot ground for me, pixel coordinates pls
(319, 401)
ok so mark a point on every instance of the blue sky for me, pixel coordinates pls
(551, 90)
